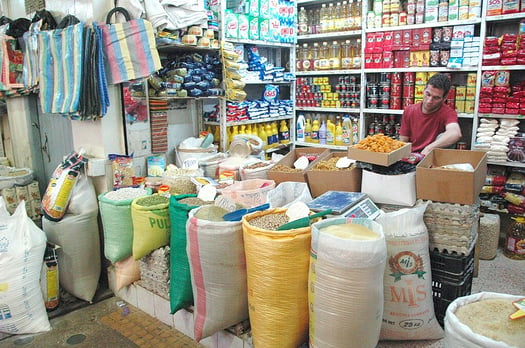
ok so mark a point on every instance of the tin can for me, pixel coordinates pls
(396, 89)
(384, 102)
(408, 91)
(403, 18)
(395, 103)
(372, 89)
(407, 101)
(409, 78)
(372, 102)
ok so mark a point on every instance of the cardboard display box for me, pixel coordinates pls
(390, 189)
(447, 185)
(380, 158)
(288, 161)
(321, 181)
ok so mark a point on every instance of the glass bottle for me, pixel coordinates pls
(515, 239)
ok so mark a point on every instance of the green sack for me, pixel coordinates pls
(181, 294)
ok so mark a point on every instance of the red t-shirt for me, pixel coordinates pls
(422, 129)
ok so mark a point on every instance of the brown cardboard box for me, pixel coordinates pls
(451, 186)
(290, 158)
(321, 181)
(381, 158)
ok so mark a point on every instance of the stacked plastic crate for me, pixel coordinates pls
(453, 230)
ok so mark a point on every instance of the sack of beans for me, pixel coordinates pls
(180, 285)
(347, 265)
(218, 273)
(115, 213)
(151, 224)
(277, 276)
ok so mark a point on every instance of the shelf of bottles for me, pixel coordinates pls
(331, 130)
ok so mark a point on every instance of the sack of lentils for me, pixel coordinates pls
(115, 213)
(180, 285)
(151, 224)
(277, 265)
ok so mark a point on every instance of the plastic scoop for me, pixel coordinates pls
(238, 214)
(302, 222)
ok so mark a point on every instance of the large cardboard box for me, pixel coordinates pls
(447, 185)
(288, 161)
(321, 181)
(381, 158)
(390, 189)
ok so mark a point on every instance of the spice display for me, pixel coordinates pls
(330, 164)
(269, 221)
(379, 143)
(152, 200)
(283, 168)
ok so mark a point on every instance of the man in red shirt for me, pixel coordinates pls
(431, 123)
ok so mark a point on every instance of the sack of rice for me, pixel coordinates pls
(484, 320)
(409, 306)
(345, 286)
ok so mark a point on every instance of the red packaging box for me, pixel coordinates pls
(407, 37)
(388, 59)
(378, 46)
(426, 36)
(368, 61)
(401, 59)
(377, 59)
(397, 38)
(511, 111)
(370, 42)
(388, 41)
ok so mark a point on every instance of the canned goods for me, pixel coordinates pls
(402, 18)
(409, 77)
(407, 101)
(372, 89)
(411, 19)
(394, 19)
(396, 77)
(420, 18)
(395, 90)
(419, 91)
(372, 102)
(408, 91)
(395, 103)
(384, 89)
(421, 78)
(384, 103)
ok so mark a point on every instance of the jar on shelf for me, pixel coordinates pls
(515, 239)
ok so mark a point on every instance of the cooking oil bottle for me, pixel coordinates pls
(324, 56)
(515, 239)
(335, 56)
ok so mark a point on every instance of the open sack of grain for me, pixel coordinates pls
(483, 320)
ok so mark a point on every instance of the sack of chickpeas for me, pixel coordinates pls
(277, 272)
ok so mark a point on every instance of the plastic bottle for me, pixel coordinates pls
(335, 56)
(308, 131)
(317, 21)
(324, 18)
(347, 130)
(330, 132)
(315, 131)
(299, 54)
(357, 15)
(344, 16)
(306, 60)
(324, 56)
(515, 239)
(346, 59)
(275, 134)
(217, 134)
(322, 133)
(331, 17)
(350, 25)
(355, 131)
(339, 133)
(299, 134)
(243, 130)
(314, 65)
(284, 133)
(235, 131)
(302, 22)
(339, 17)
(229, 134)
(356, 58)
(263, 136)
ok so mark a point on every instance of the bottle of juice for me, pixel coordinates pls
(308, 131)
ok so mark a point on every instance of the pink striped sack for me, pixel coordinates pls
(218, 272)
(129, 48)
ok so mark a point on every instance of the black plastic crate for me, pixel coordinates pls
(452, 263)
(446, 289)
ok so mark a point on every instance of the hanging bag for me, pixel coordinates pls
(129, 48)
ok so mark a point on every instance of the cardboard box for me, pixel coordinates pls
(383, 159)
(289, 160)
(321, 181)
(390, 189)
(451, 186)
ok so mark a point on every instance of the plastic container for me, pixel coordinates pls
(250, 193)
(301, 122)
(515, 239)
(488, 237)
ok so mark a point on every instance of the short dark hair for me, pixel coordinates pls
(440, 81)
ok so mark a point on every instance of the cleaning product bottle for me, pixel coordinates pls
(264, 137)
(284, 134)
(315, 131)
(235, 131)
(243, 129)
(347, 131)
(299, 134)
(322, 133)
(269, 134)
(229, 134)
(275, 134)
(339, 133)
(330, 132)
(308, 131)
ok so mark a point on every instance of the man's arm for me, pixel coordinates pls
(450, 136)
(404, 138)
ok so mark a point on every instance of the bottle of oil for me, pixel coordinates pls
(314, 53)
(335, 56)
(306, 63)
(356, 56)
(324, 56)
(332, 14)
(515, 239)
(324, 18)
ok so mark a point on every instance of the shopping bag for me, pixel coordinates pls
(129, 47)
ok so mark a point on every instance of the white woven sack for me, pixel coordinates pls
(77, 235)
(218, 274)
(409, 306)
(459, 335)
(22, 246)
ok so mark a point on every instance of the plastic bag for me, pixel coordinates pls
(287, 193)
